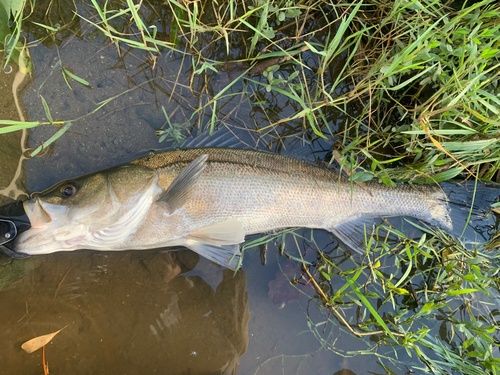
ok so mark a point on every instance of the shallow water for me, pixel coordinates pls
(153, 312)
(143, 312)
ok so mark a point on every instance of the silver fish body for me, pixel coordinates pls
(209, 199)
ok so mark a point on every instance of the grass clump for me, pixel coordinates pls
(416, 84)
(426, 81)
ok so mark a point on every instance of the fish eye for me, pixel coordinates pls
(68, 190)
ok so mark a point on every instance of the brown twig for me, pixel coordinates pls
(332, 308)
(62, 281)
(26, 313)
(45, 365)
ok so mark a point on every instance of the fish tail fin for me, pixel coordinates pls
(461, 210)
(470, 208)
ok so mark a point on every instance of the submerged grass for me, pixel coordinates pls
(414, 294)
(405, 91)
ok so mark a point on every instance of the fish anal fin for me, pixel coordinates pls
(219, 242)
(179, 191)
(355, 232)
(224, 255)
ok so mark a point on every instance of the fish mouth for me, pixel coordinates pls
(47, 233)
(37, 241)
(37, 214)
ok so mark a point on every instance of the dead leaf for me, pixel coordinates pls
(33, 345)
(262, 65)
(424, 122)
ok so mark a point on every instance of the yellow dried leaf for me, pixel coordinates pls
(33, 345)
(423, 122)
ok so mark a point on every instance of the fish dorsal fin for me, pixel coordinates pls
(227, 137)
(179, 191)
(219, 242)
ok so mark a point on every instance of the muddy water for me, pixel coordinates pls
(144, 312)
(154, 312)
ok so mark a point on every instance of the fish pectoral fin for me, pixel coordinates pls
(225, 255)
(353, 233)
(226, 232)
(219, 242)
(179, 191)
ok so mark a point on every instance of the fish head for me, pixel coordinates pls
(96, 211)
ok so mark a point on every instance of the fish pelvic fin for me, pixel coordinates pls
(219, 242)
(179, 191)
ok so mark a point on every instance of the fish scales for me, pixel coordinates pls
(267, 192)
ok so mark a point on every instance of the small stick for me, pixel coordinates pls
(263, 253)
(26, 313)
(62, 280)
(45, 366)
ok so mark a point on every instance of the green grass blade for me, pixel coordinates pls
(370, 307)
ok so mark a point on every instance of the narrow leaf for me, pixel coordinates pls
(461, 291)
(370, 308)
(46, 108)
(428, 306)
(76, 78)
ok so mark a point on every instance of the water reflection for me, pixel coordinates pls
(13, 83)
(127, 313)
(59, 14)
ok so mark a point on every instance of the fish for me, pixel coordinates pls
(209, 200)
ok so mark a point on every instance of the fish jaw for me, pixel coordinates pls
(39, 241)
(50, 230)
